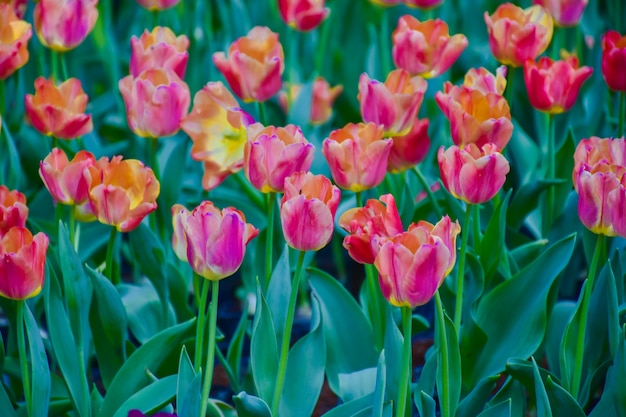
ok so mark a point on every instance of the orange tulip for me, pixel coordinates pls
(58, 111)
(62, 25)
(14, 36)
(19, 6)
(22, 263)
(13, 209)
(160, 48)
(322, 101)
(410, 149)
(564, 12)
(482, 80)
(303, 15)
(157, 4)
(614, 60)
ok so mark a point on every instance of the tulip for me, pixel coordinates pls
(156, 101)
(614, 60)
(155, 5)
(564, 12)
(254, 65)
(410, 149)
(122, 192)
(272, 154)
(14, 36)
(159, 49)
(307, 211)
(322, 100)
(22, 263)
(553, 86)
(476, 117)
(369, 227)
(58, 111)
(217, 127)
(482, 80)
(425, 48)
(423, 4)
(393, 104)
(413, 265)
(516, 34)
(19, 6)
(471, 174)
(13, 209)
(357, 155)
(62, 25)
(212, 241)
(303, 15)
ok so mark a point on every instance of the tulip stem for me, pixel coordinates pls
(477, 236)
(510, 76)
(64, 72)
(322, 44)
(109, 271)
(407, 367)
(622, 114)
(580, 341)
(201, 323)
(269, 237)
(21, 342)
(261, 107)
(284, 346)
(431, 196)
(72, 227)
(2, 100)
(444, 390)
(385, 49)
(458, 311)
(549, 211)
(208, 371)
(54, 58)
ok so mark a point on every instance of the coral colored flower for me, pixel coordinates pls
(423, 4)
(553, 86)
(62, 25)
(471, 174)
(22, 263)
(516, 34)
(369, 227)
(410, 149)
(212, 241)
(158, 4)
(160, 48)
(254, 65)
(58, 111)
(303, 15)
(122, 192)
(412, 266)
(614, 60)
(425, 48)
(156, 101)
(273, 153)
(357, 155)
(14, 36)
(217, 127)
(13, 210)
(19, 6)
(307, 210)
(393, 104)
(564, 12)
(322, 100)
(476, 117)
(482, 80)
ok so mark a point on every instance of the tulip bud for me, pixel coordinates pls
(13, 210)
(303, 15)
(614, 60)
(22, 263)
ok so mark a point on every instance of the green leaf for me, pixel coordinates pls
(513, 392)
(350, 408)
(525, 200)
(263, 348)
(278, 292)
(357, 384)
(393, 342)
(564, 167)
(541, 396)
(348, 334)
(426, 382)
(187, 399)
(450, 384)
(426, 404)
(143, 307)
(379, 391)
(561, 402)
(235, 348)
(613, 400)
(502, 409)
(560, 316)
(131, 377)
(492, 244)
(251, 406)
(5, 403)
(151, 398)
(40, 371)
(475, 401)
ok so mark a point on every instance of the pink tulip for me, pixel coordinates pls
(564, 12)
(482, 80)
(321, 103)
(160, 48)
(22, 263)
(14, 36)
(303, 15)
(614, 60)
(13, 209)
(62, 25)
(410, 149)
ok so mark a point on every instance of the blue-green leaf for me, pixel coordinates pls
(40, 371)
(251, 406)
(263, 348)
(151, 398)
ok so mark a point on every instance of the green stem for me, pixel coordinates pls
(338, 254)
(458, 310)
(510, 76)
(21, 342)
(622, 114)
(549, 210)
(261, 108)
(374, 304)
(431, 196)
(55, 66)
(385, 48)
(232, 378)
(322, 44)
(154, 156)
(2, 97)
(109, 271)
(55, 142)
(72, 227)
(580, 341)
(251, 192)
(477, 234)
(201, 323)
(284, 346)
(208, 371)
(359, 198)
(444, 391)
(269, 237)
(407, 367)
(64, 72)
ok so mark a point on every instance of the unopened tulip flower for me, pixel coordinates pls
(213, 241)
(307, 211)
(303, 15)
(156, 101)
(614, 60)
(254, 65)
(425, 48)
(553, 86)
(22, 263)
(471, 174)
(322, 101)
(217, 127)
(357, 155)
(412, 266)
(14, 36)
(19, 6)
(58, 111)
(13, 209)
(484, 81)
(273, 153)
(393, 104)
(564, 12)
(122, 192)
(157, 4)
(160, 48)
(476, 117)
(516, 34)
(62, 25)
(369, 227)
(410, 149)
